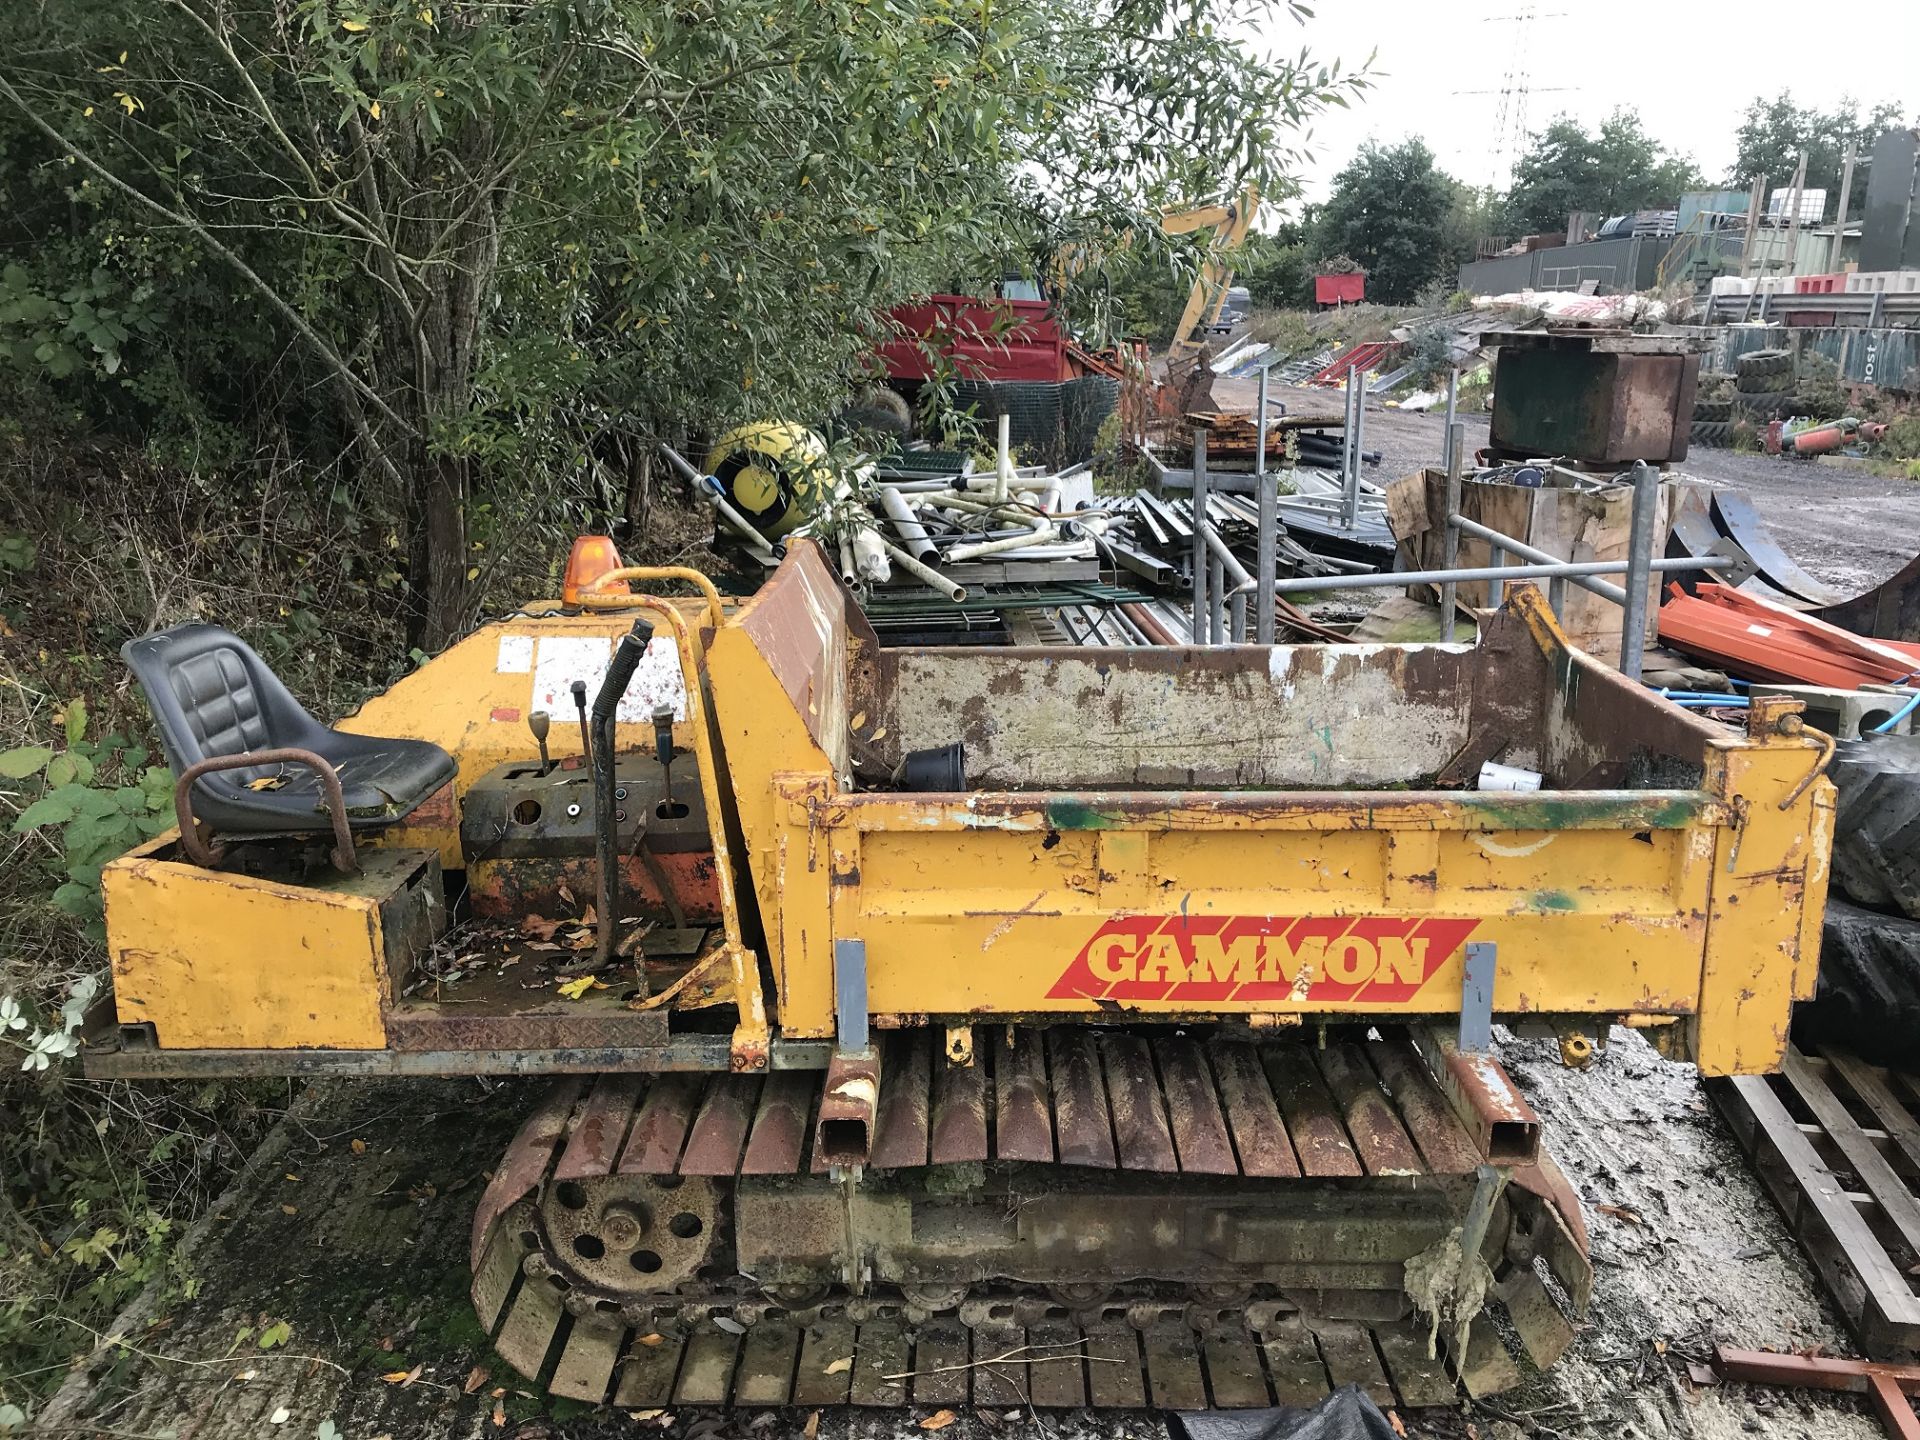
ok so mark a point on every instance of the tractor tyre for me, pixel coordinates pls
(878, 410)
(1760, 369)
(1876, 840)
(1713, 411)
(1867, 998)
(1762, 404)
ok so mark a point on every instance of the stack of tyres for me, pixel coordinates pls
(1763, 385)
(1868, 1000)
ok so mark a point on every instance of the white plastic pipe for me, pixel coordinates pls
(1043, 530)
(1003, 468)
(913, 535)
(925, 574)
(870, 556)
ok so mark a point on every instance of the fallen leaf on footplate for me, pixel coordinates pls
(499, 1415)
(1701, 1374)
(565, 894)
(840, 1367)
(267, 782)
(476, 1377)
(812, 1427)
(540, 927)
(574, 989)
(938, 1420)
(280, 1416)
(645, 1414)
(648, 1339)
(1399, 1426)
(359, 1147)
(1622, 1212)
(728, 1324)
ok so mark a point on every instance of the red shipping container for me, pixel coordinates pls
(1340, 289)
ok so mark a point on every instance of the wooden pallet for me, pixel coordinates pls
(1054, 1365)
(1836, 1142)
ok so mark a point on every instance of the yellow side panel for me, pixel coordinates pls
(228, 962)
(1769, 891)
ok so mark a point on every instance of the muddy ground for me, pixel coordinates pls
(350, 1227)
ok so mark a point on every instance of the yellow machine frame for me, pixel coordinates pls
(1694, 911)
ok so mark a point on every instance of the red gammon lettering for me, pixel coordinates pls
(1253, 960)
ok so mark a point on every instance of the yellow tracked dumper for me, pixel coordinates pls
(1076, 1026)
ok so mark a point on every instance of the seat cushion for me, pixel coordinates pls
(213, 697)
(383, 780)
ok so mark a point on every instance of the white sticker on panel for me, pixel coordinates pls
(516, 655)
(562, 659)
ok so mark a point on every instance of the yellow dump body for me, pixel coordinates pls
(1271, 832)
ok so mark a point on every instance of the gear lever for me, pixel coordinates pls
(539, 722)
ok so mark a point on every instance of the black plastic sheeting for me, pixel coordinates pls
(1347, 1414)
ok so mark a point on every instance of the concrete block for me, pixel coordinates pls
(1868, 282)
(1731, 285)
(1844, 714)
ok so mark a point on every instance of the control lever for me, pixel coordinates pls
(579, 688)
(663, 750)
(626, 659)
(539, 722)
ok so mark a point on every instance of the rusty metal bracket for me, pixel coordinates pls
(1502, 1124)
(1887, 1386)
(206, 853)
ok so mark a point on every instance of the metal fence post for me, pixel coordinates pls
(1633, 620)
(1267, 544)
(1216, 600)
(1350, 482)
(1449, 592)
(1201, 558)
(1453, 400)
(1267, 558)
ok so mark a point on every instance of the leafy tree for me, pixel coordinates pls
(482, 243)
(1388, 209)
(1773, 134)
(1609, 172)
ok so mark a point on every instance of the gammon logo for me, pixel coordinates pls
(1249, 959)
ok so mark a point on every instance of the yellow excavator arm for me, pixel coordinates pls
(1230, 222)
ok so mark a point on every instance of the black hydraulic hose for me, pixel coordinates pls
(626, 658)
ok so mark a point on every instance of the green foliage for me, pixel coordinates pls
(1902, 440)
(485, 240)
(1775, 132)
(1612, 171)
(1388, 210)
(93, 801)
(1276, 271)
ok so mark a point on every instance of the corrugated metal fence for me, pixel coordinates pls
(1889, 358)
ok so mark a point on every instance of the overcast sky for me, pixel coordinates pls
(1688, 67)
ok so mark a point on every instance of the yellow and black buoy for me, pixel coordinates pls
(769, 472)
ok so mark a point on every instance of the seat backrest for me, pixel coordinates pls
(211, 695)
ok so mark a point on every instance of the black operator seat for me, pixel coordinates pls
(213, 697)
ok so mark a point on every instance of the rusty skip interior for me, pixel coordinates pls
(1290, 717)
